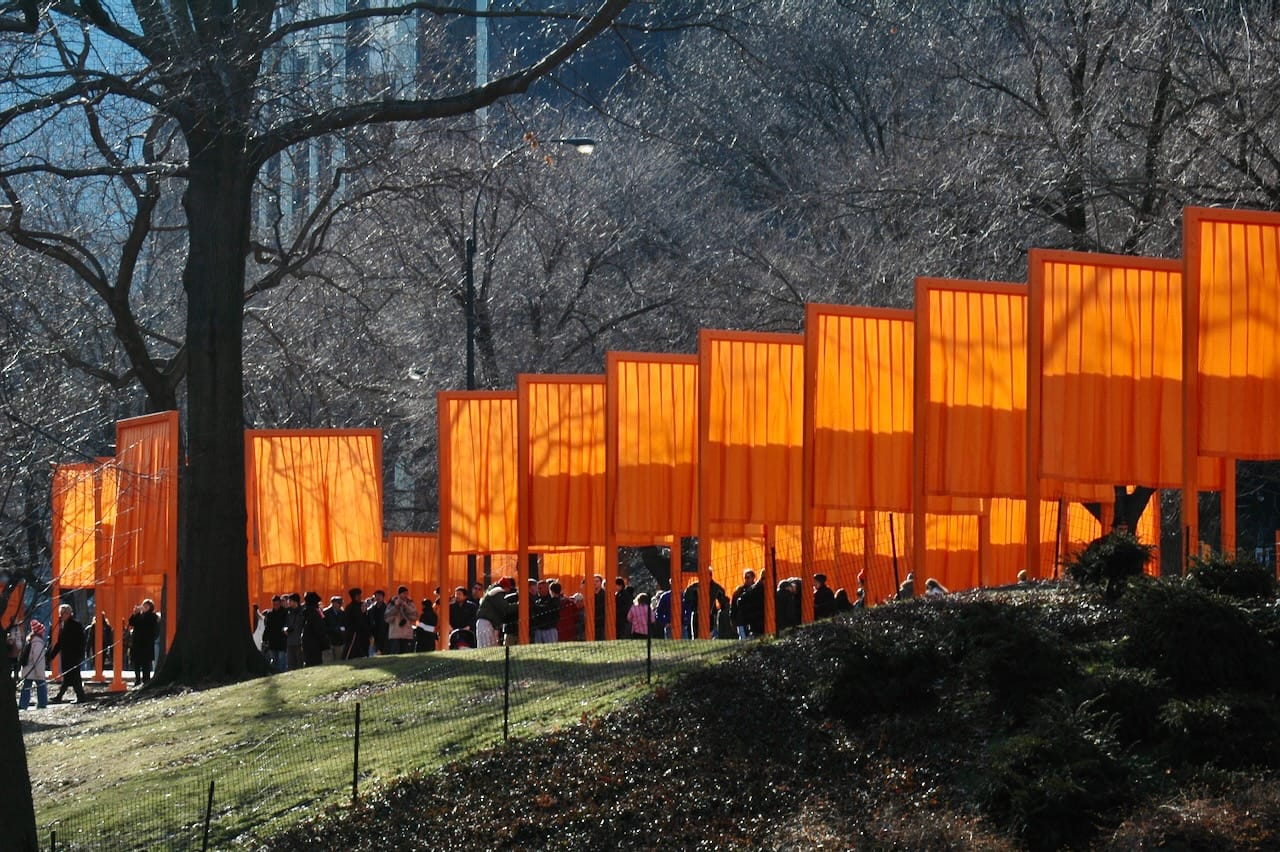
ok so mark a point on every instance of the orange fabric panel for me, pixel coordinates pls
(862, 367)
(952, 552)
(752, 416)
(108, 495)
(1006, 553)
(891, 532)
(1111, 386)
(653, 444)
(75, 524)
(565, 477)
(317, 500)
(368, 578)
(14, 610)
(1080, 492)
(414, 561)
(570, 568)
(146, 532)
(1233, 265)
(975, 405)
(731, 556)
(479, 472)
(1148, 532)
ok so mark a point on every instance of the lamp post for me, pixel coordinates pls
(583, 145)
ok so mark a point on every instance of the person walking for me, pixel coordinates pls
(70, 652)
(32, 668)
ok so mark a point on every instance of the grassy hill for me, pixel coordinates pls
(1039, 718)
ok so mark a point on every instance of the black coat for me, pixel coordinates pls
(273, 629)
(145, 626)
(357, 631)
(70, 644)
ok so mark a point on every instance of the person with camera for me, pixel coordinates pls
(400, 618)
(144, 629)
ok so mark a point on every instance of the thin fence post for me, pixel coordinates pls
(208, 817)
(506, 694)
(648, 654)
(355, 762)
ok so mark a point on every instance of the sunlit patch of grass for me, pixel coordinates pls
(127, 774)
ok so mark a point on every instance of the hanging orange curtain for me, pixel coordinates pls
(860, 365)
(413, 561)
(1230, 314)
(562, 486)
(1108, 330)
(15, 609)
(1233, 269)
(731, 555)
(316, 496)
(479, 472)
(75, 526)
(952, 552)
(1006, 552)
(144, 545)
(752, 419)
(974, 382)
(652, 445)
(570, 567)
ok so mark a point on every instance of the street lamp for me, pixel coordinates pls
(583, 145)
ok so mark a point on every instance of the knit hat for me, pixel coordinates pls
(507, 583)
(37, 627)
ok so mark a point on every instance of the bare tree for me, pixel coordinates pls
(185, 93)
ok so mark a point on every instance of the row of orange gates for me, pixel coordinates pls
(879, 442)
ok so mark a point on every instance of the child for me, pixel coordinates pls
(640, 617)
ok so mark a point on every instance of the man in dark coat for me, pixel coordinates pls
(824, 599)
(746, 607)
(70, 647)
(274, 644)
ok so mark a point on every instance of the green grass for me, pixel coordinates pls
(135, 773)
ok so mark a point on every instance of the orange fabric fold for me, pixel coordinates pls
(1233, 266)
(861, 363)
(653, 445)
(752, 414)
(975, 404)
(479, 472)
(316, 496)
(566, 453)
(75, 526)
(413, 560)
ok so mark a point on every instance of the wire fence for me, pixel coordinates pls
(342, 744)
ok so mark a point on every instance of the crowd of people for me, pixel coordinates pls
(31, 652)
(297, 632)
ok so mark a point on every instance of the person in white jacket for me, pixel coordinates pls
(33, 670)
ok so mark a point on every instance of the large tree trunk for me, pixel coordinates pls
(213, 643)
(17, 814)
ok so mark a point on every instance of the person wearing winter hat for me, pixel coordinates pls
(32, 671)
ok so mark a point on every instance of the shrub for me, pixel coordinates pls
(1110, 562)
(1055, 782)
(1230, 731)
(1199, 642)
(1240, 578)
